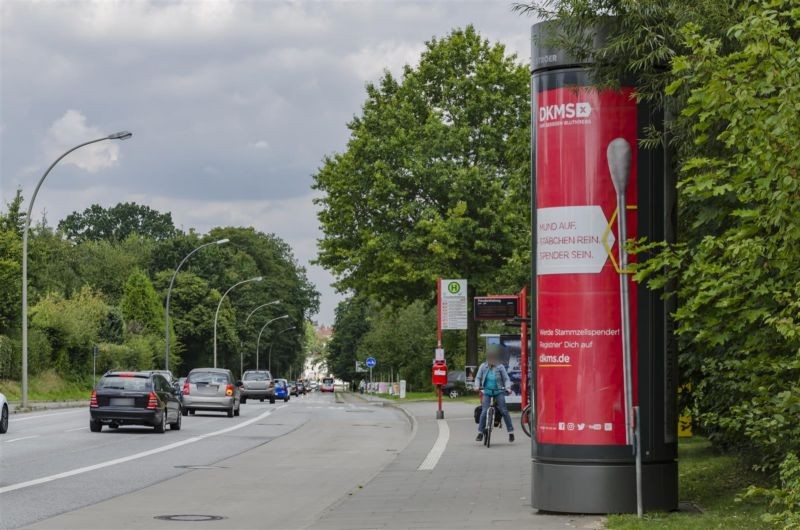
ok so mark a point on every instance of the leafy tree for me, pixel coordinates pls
(14, 218)
(403, 341)
(72, 326)
(434, 179)
(732, 86)
(140, 305)
(117, 223)
(350, 325)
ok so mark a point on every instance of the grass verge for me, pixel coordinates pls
(712, 481)
(48, 386)
(431, 396)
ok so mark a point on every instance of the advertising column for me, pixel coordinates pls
(587, 337)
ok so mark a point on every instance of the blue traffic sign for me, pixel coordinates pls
(371, 362)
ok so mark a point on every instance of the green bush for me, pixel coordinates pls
(785, 499)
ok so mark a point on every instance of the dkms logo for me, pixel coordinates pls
(563, 111)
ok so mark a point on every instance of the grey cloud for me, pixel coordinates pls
(201, 84)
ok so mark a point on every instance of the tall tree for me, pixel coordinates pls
(140, 305)
(117, 223)
(350, 325)
(434, 178)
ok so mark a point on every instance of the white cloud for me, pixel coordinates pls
(370, 61)
(72, 129)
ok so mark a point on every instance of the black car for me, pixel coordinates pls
(301, 388)
(456, 384)
(134, 398)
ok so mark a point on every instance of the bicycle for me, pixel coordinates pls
(493, 419)
(525, 420)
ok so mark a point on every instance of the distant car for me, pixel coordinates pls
(258, 384)
(301, 388)
(314, 386)
(181, 381)
(211, 389)
(327, 385)
(166, 373)
(456, 384)
(134, 398)
(3, 414)
(282, 389)
(293, 388)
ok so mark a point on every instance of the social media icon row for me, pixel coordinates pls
(570, 426)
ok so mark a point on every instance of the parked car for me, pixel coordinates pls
(327, 385)
(456, 384)
(314, 386)
(293, 388)
(282, 389)
(3, 414)
(134, 398)
(211, 389)
(301, 388)
(258, 384)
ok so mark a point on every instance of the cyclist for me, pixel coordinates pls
(492, 379)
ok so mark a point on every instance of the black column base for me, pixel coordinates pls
(603, 488)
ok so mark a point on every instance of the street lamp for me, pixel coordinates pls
(269, 361)
(122, 135)
(241, 343)
(169, 292)
(258, 341)
(216, 315)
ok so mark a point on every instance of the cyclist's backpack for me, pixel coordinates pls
(478, 410)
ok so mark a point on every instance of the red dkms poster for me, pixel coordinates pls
(579, 390)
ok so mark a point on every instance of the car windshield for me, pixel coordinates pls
(208, 378)
(132, 384)
(255, 376)
(280, 384)
(327, 381)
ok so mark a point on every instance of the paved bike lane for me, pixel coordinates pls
(468, 485)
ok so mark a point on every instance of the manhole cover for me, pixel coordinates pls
(190, 518)
(200, 467)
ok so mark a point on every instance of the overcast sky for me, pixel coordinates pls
(232, 104)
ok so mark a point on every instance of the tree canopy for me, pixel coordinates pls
(117, 223)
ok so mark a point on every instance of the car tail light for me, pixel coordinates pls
(186, 388)
(229, 390)
(152, 401)
(93, 399)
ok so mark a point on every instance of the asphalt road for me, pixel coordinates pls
(51, 464)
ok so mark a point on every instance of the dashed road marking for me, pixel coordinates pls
(136, 456)
(21, 438)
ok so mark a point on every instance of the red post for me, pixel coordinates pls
(523, 312)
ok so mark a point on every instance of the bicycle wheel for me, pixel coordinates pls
(489, 422)
(525, 420)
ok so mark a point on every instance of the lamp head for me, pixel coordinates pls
(258, 278)
(122, 135)
(618, 154)
(222, 241)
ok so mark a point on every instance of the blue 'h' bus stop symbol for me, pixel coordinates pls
(371, 362)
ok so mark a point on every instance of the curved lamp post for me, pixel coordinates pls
(258, 341)
(122, 135)
(216, 315)
(169, 292)
(241, 343)
(269, 361)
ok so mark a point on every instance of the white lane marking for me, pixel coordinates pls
(136, 456)
(21, 438)
(49, 415)
(438, 448)
(76, 429)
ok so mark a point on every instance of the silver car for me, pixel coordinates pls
(211, 389)
(258, 384)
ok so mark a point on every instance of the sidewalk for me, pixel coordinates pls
(470, 486)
